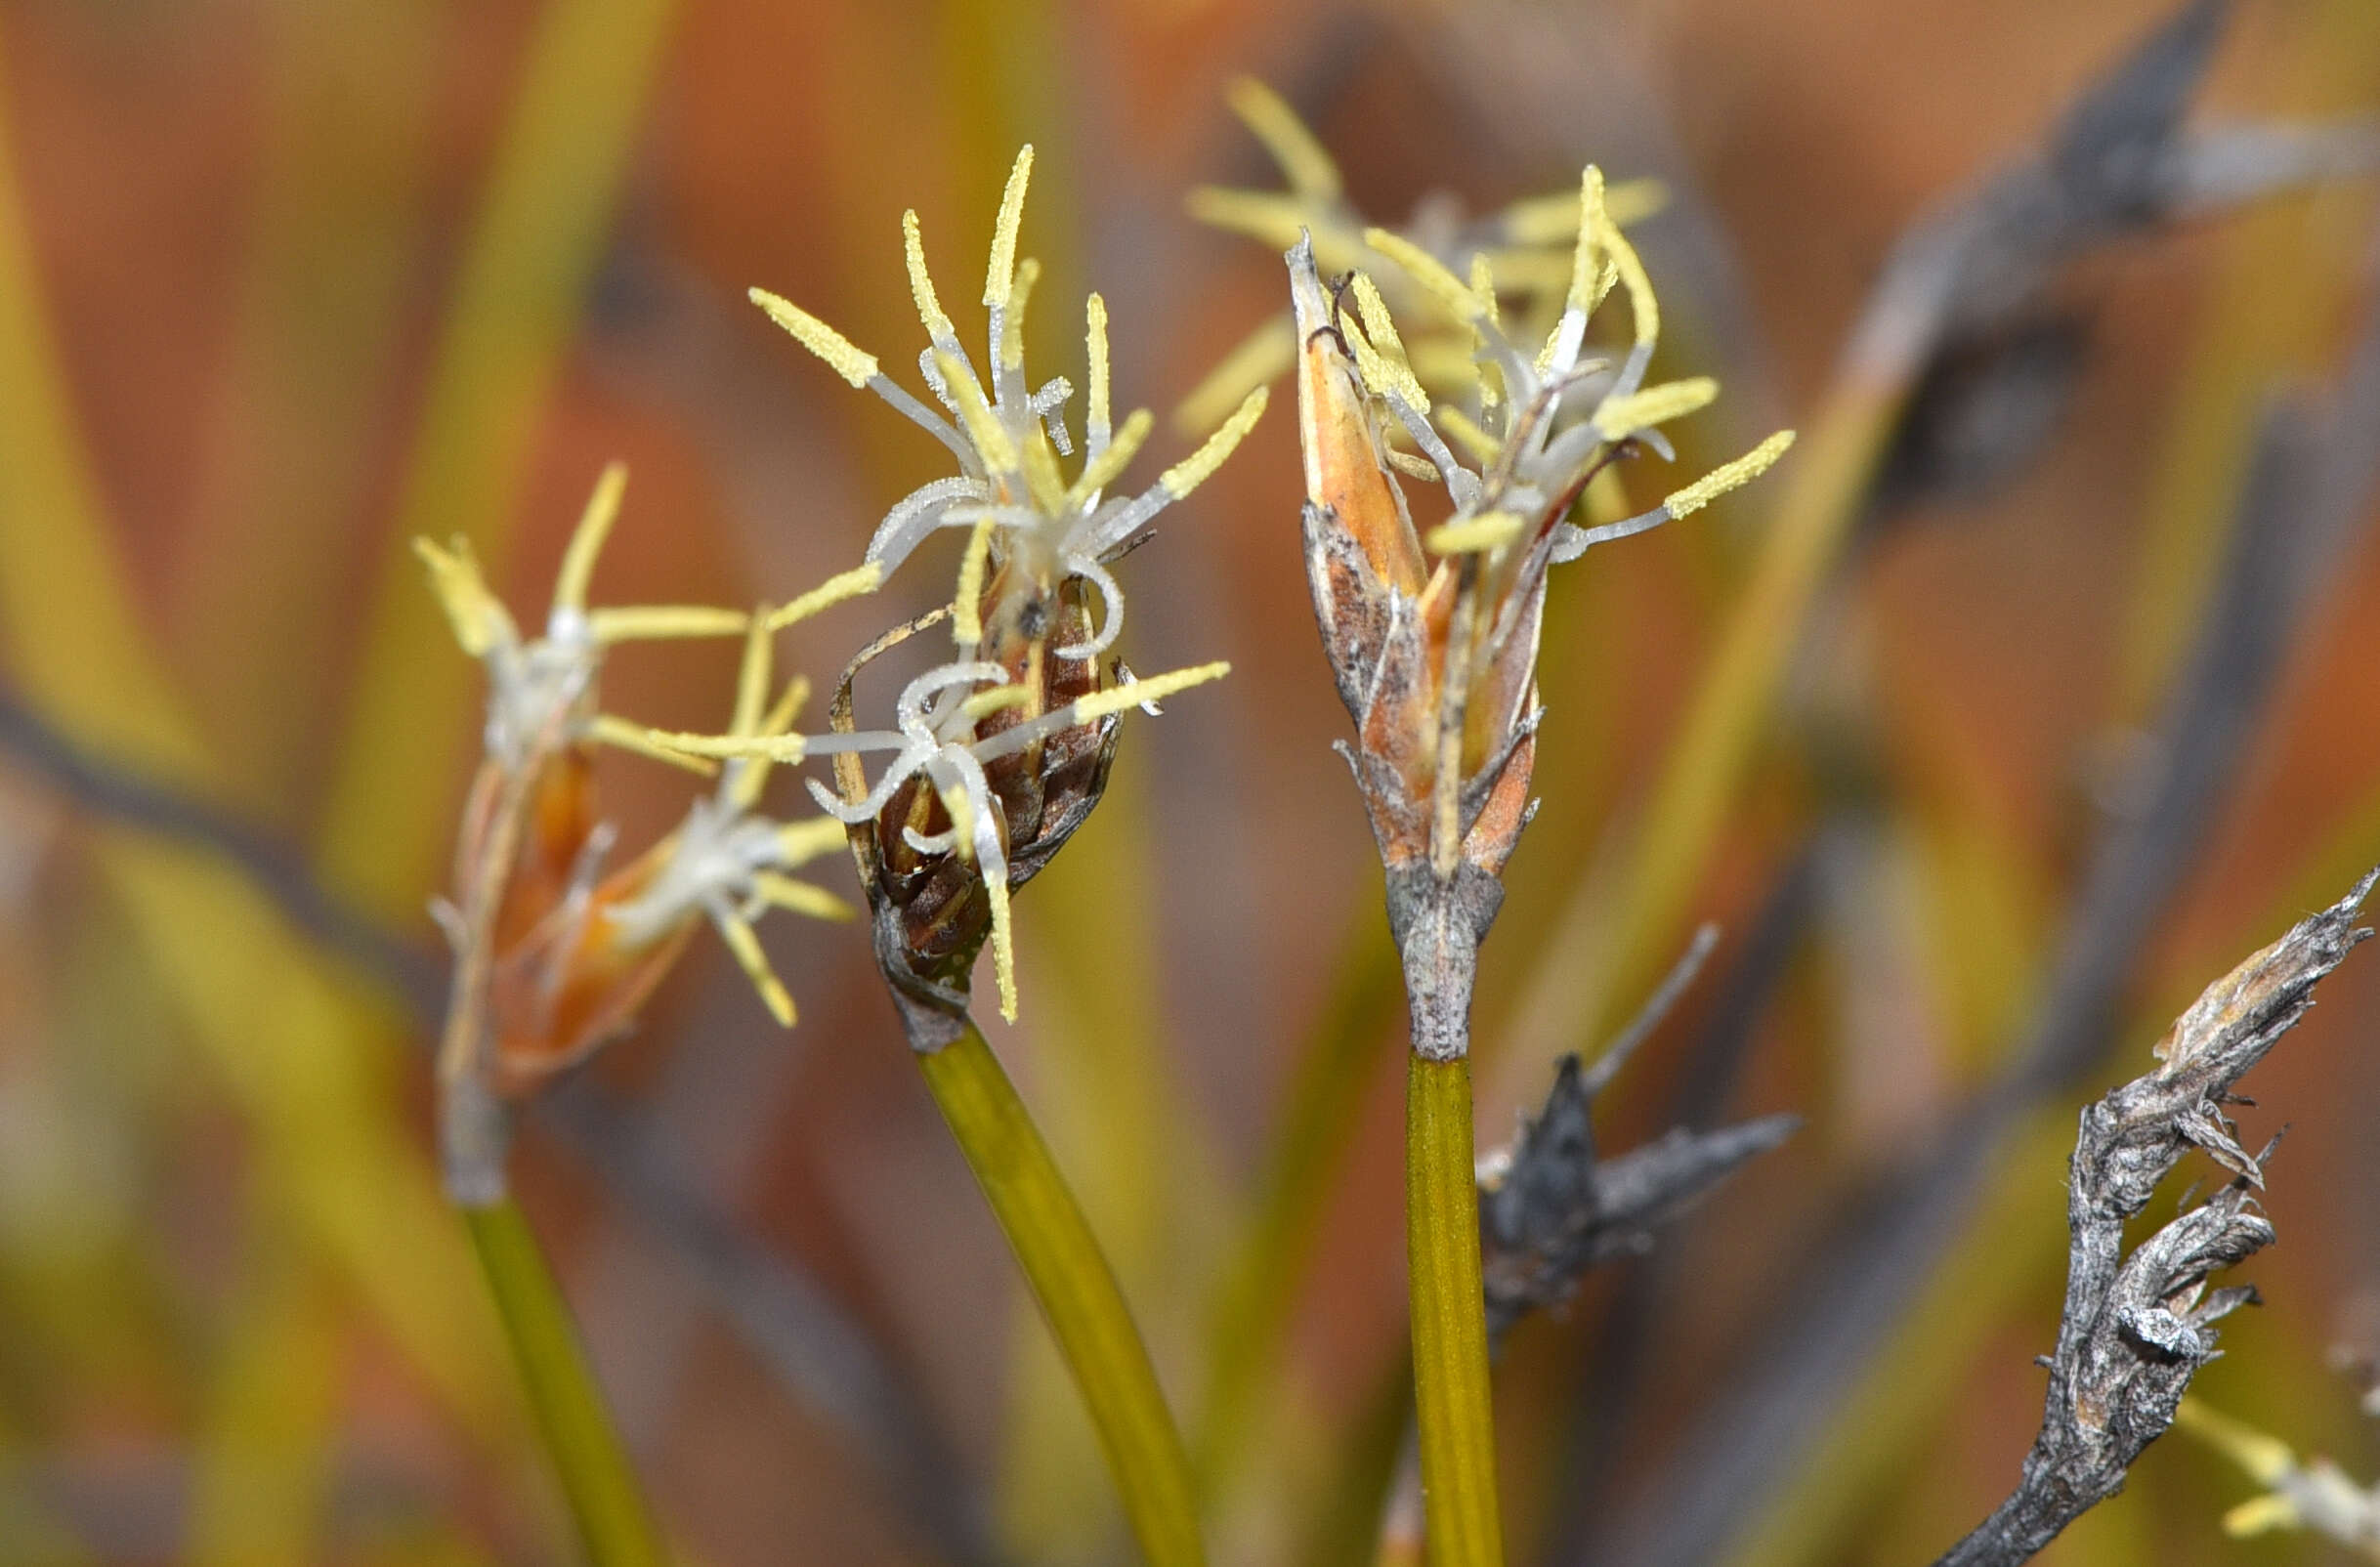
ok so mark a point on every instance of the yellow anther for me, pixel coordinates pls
(1382, 363)
(478, 620)
(1043, 480)
(922, 282)
(1533, 272)
(1267, 113)
(769, 748)
(800, 843)
(800, 897)
(749, 784)
(1267, 218)
(1095, 347)
(1264, 355)
(586, 541)
(1442, 360)
(1655, 404)
(998, 699)
(2264, 1457)
(1193, 471)
(737, 932)
(966, 606)
(779, 716)
(1000, 276)
(985, 432)
(1101, 471)
(1483, 286)
(1467, 434)
(1381, 378)
(1488, 531)
(1427, 271)
(1412, 465)
(2261, 1516)
(843, 356)
(752, 677)
(653, 623)
(1731, 476)
(607, 729)
(1156, 687)
(851, 584)
(1604, 282)
(961, 811)
(1003, 945)
(1595, 220)
(1553, 220)
(1582, 247)
(1012, 327)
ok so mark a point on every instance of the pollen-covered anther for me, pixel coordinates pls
(841, 356)
(1618, 418)
(1491, 531)
(542, 690)
(1429, 272)
(854, 583)
(728, 864)
(1729, 476)
(1196, 469)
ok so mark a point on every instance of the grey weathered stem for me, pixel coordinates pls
(2136, 1329)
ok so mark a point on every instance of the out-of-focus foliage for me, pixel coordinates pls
(284, 285)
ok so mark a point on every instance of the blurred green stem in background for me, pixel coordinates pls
(543, 223)
(1076, 1290)
(1253, 1306)
(588, 1456)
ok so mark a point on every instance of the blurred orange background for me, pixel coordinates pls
(283, 283)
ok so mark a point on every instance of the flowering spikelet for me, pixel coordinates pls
(995, 757)
(1035, 532)
(553, 955)
(1433, 637)
(1528, 247)
(988, 775)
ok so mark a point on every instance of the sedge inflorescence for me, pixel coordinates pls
(1435, 635)
(991, 759)
(1528, 244)
(556, 949)
(1022, 715)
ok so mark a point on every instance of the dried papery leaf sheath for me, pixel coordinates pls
(554, 955)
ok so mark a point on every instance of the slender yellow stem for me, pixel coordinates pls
(1076, 1290)
(589, 1457)
(1450, 1352)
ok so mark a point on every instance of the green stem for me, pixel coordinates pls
(1077, 1292)
(586, 1450)
(1450, 1350)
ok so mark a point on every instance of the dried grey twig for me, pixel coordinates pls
(2297, 510)
(1549, 1210)
(2136, 1327)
